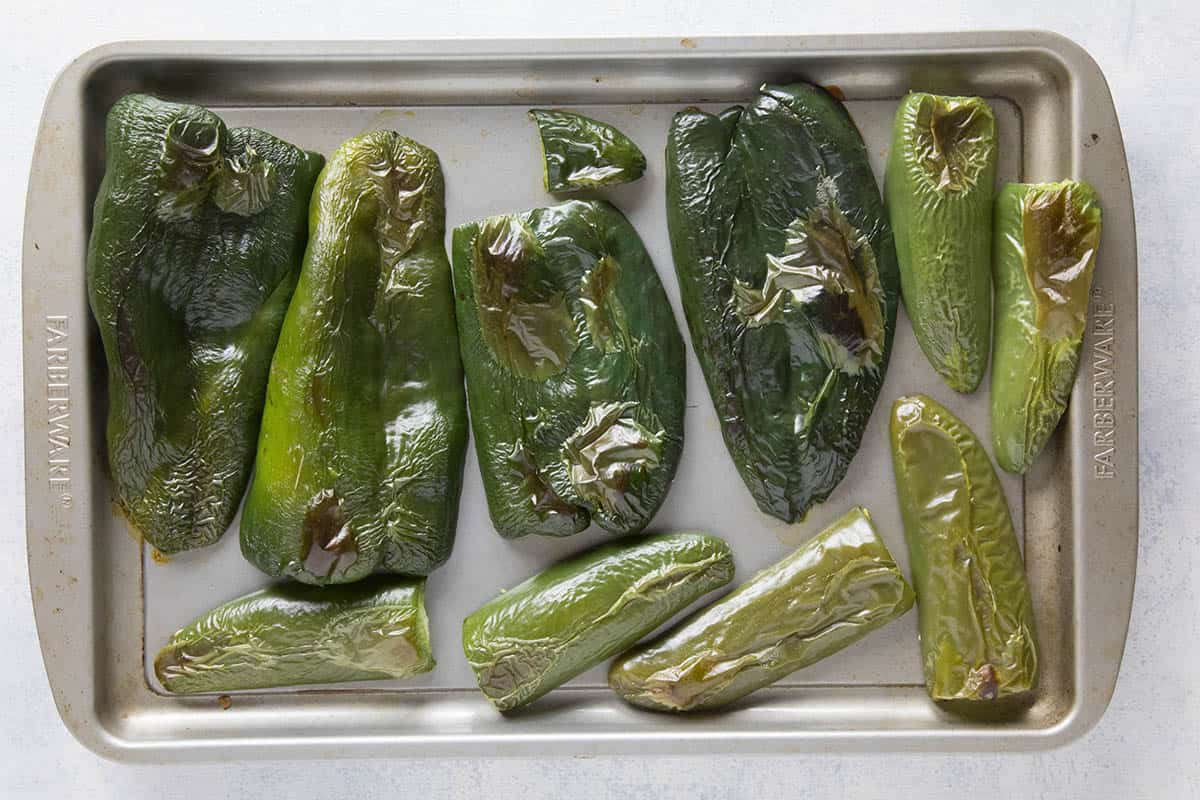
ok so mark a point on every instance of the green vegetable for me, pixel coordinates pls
(197, 234)
(361, 455)
(290, 635)
(940, 176)
(574, 368)
(838, 587)
(976, 616)
(585, 609)
(788, 275)
(1046, 239)
(582, 153)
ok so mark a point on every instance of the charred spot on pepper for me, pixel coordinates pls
(602, 309)
(538, 493)
(827, 270)
(1061, 233)
(523, 315)
(329, 541)
(607, 452)
(953, 140)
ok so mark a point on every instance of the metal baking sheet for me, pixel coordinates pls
(104, 605)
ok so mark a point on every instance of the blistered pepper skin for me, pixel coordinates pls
(575, 369)
(835, 589)
(788, 276)
(292, 635)
(197, 235)
(588, 608)
(582, 153)
(940, 176)
(363, 438)
(1046, 240)
(978, 641)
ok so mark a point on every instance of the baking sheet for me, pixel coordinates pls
(104, 606)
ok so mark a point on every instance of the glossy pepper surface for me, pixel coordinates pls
(835, 589)
(579, 152)
(976, 617)
(361, 453)
(585, 609)
(289, 635)
(940, 177)
(197, 235)
(1047, 236)
(575, 369)
(788, 275)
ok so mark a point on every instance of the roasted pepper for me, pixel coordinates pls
(976, 615)
(788, 275)
(1046, 239)
(575, 370)
(940, 176)
(580, 611)
(835, 589)
(361, 454)
(289, 635)
(197, 236)
(581, 153)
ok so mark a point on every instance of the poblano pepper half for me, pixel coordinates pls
(940, 178)
(788, 274)
(832, 591)
(582, 153)
(575, 369)
(587, 608)
(290, 635)
(197, 235)
(1046, 239)
(361, 454)
(976, 617)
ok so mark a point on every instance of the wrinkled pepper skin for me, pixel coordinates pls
(585, 609)
(197, 235)
(940, 177)
(788, 275)
(582, 153)
(978, 641)
(1046, 240)
(575, 369)
(835, 589)
(364, 434)
(291, 635)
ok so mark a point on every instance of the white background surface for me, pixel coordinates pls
(1147, 745)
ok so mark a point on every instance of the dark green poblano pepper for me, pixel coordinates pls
(1046, 239)
(940, 176)
(290, 635)
(835, 589)
(575, 369)
(197, 235)
(363, 438)
(976, 616)
(581, 153)
(788, 275)
(580, 611)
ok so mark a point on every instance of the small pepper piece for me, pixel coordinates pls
(832, 591)
(587, 608)
(579, 152)
(1046, 239)
(978, 641)
(290, 635)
